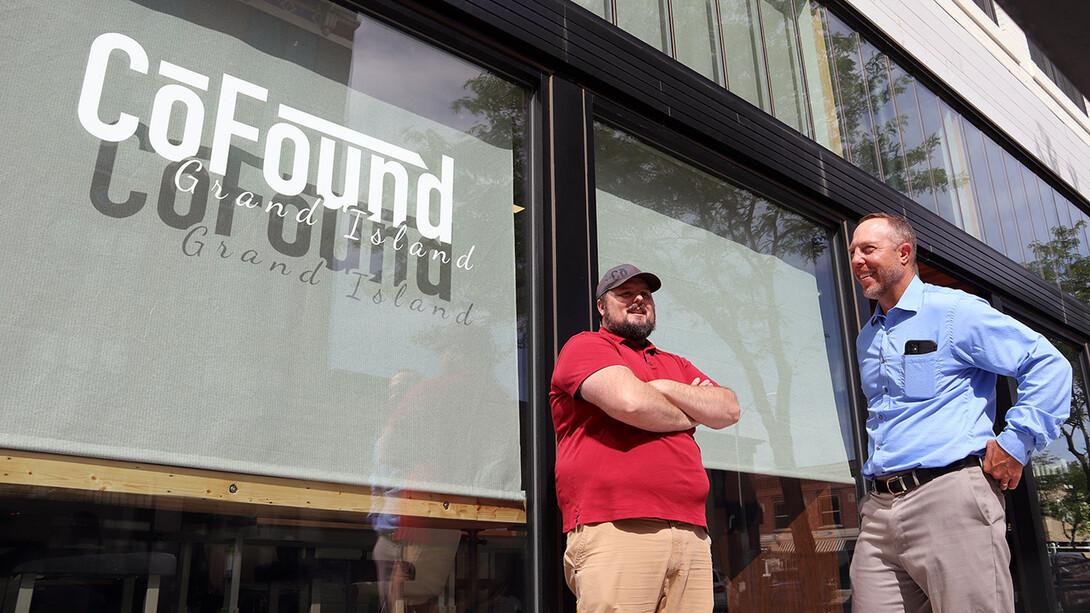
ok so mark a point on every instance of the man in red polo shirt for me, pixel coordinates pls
(629, 478)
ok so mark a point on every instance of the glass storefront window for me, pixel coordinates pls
(748, 296)
(1084, 246)
(1062, 473)
(273, 251)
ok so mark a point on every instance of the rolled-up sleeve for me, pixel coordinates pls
(992, 341)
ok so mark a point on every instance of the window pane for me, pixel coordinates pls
(260, 242)
(1023, 208)
(1043, 217)
(988, 7)
(1069, 216)
(1063, 207)
(919, 146)
(696, 36)
(1044, 194)
(854, 96)
(1008, 217)
(942, 172)
(981, 183)
(1057, 259)
(290, 250)
(785, 544)
(784, 66)
(820, 77)
(1062, 478)
(882, 92)
(1053, 73)
(745, 61)
(965, 214)
(776, 344)
(601, 8)
(1084, 229)
(646, 20)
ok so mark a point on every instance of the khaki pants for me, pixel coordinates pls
(941, 547)
(639, 566)
(431, 558)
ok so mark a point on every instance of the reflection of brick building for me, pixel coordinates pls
(829, 505)
(781, 541)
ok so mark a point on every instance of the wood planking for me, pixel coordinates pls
(25, 468)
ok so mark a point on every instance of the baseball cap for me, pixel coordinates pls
(619, 274)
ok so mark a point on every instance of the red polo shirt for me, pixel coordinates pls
(608, 470)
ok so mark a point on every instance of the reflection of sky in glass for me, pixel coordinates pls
(400, 70)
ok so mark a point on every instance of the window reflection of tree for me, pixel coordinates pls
(627, 169)
(1060, 262)
(1074, 479)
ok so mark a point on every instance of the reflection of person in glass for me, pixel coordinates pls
(404, 556)
(933, 531)
(429, 434)
(629, 478)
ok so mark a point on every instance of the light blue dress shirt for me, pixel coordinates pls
(931, 409)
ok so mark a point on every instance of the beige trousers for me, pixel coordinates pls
(639, 566)
(942, 547)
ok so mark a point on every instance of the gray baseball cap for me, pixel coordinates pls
(619, 274)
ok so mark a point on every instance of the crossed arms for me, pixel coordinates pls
(661, 405)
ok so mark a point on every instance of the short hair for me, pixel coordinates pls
(899, 228)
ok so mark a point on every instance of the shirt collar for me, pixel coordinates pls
(620, 340)
(910, 301)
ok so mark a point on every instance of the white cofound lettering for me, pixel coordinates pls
(434, 193)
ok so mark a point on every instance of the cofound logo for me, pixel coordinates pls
(288, 140)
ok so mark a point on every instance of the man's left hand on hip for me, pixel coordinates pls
(1002, 466)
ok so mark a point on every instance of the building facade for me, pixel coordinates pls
(284, 281)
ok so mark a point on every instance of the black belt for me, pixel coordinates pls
(904, 482)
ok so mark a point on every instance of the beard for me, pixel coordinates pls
(884, 280)
(632, 331)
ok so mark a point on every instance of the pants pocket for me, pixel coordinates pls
(989, 498)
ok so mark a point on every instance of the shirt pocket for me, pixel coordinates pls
(921, 375)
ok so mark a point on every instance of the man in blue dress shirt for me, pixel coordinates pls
(933, 529)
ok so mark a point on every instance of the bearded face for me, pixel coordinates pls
(628, 310)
